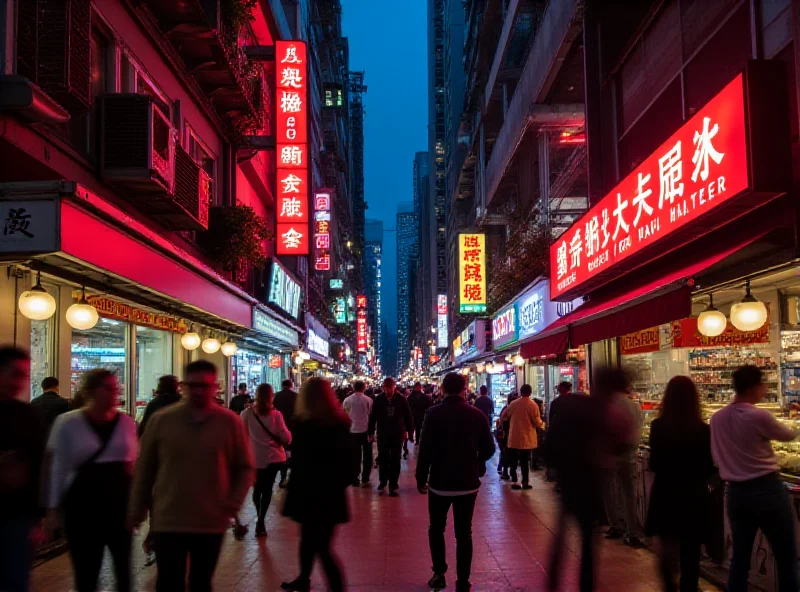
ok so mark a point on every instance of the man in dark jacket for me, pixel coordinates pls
(455, 445)
(241, 400)
(392, 418)
(419, 403)
(50, 404)
(285, 402)
(484, 403)
(166, 394)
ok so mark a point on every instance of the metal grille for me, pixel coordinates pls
(187, 185)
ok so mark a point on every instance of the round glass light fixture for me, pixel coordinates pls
(711, 322)
(750, 314)
(210, 345)
(36, 303)
(489, 366)
(82, 315)
(519, 361)
(298, 359)
(480, 368)
(190, 340)
(229, 348)
(465, 371)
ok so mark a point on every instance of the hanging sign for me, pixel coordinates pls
(284, 291)
(113, 309)
(322, 229)
(505, 327)
(472, 273)
(685, 334)
(640, 342)
(275, 361)
(441, 321)
(362, 340)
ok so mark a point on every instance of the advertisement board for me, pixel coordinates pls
(441, 321)
(472, 273)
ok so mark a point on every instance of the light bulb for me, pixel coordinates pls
(36, 303)
(480, 368)
(190, 340)
(750, 314)
(82, 315)
(210, 345)
(519, 361)
(298, 360)
(229, 348)
(711, 322)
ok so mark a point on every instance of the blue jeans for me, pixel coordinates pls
(15, 554)
(764, 504)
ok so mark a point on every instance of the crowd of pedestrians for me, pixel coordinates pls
(91, 474)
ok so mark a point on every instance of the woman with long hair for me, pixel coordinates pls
(680, 457)
(321, 463)
(93, 450)
(268, 436)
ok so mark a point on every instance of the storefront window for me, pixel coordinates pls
(275, 375)
(104, 346)
(249, 367)
(153, 360)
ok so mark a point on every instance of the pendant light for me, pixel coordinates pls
(480, 368)
(519, 361)
(229, 348)
(750, 314)
(711, 322)
(82, 315)
(191, 340)
(36, 303)
(211, 345)
(489, 367)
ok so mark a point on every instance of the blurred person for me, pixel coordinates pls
(391, 418)
(93, 451)
(166, 394)
(484, 403)
(50, 404)
(456, 443)
(196, 456)
(268, 435)
(524, 419)
(22, 440)
(501, 436)
(564, 389)
(358, 407)
(756, 497)
(680, 458)
(241, 400)
(316, 497)
(403, 391)
(285, 402)
(419, 403)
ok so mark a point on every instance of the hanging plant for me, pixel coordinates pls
(236, 238)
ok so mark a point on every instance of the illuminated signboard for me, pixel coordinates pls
(441, 320)
(284, 292)
(361, 324)
(703, 165)
(263, 323)
(322, 229)
(504, 326)
(340, 311)
(291, 74)
(336, 284)
(472, 273)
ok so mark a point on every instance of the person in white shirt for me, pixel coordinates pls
(268, 435)
(756, 499)
(359, 406)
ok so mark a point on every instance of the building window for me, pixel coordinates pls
(200, 153)
(43, 339)
(136, 80)
(103, 346)
(153, 360)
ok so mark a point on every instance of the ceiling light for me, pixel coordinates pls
(190, 340)
(750, 314)
(711, 322)
(82, 315)
(36, 303)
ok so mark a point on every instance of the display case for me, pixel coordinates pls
(712, 369)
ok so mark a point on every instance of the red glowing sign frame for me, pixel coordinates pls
(361, 331)
(322, 233)
(702, 166)
(291, 153)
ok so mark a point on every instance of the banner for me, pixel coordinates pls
(685, 334)
(641, 342)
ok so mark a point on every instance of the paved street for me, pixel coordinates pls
(385, 548)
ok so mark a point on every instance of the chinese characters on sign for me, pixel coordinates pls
(472, 272)
(361, 324)
(441, 321)
(322, 229)
(292, 148)
(700, 167)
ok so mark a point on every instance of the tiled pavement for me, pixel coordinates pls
(384, 548)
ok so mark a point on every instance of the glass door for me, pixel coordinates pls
(103, 346)
(153, 360)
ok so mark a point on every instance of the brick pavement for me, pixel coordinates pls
(384, 548)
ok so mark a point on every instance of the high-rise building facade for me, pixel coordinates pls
(406, 257)
(373, 253)
(425, 272)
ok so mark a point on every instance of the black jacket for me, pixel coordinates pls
(160, 401)
(391, 418)
(454, 446)
(485, 404)
(50, 405)
(239, 403)
(419, 403)
(285, 401)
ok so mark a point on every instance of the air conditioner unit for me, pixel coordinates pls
(137, 145)
(192, 191)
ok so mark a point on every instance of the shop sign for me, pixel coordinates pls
(112, 309)
(685, 334)
(322, 229)
(336, 284)
(504, 326)
(472, 273)
(433, 360)
(284, 292)
(275, 361)
(641, 342)
(268, 326)
(536, 312)
(361, 301)
(318, 344)
(291, 86)
(340, 311)
(702, 166)
(499, 368)
(441, 320)
(29, 226)
(361, 331)
(471, 341)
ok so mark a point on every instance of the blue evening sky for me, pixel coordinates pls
(389, 41)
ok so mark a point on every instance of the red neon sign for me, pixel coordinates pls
(322, 229)
(703, 165)
(361, 301)
(361, 331)
(291, 72)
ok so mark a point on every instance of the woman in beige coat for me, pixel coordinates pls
(523, 415)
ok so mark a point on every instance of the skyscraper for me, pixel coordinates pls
(373, 253)
(406, 257)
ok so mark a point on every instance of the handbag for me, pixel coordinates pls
(269, 433)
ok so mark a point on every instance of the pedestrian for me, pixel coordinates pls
(622, 421)
(756, 498)
(195, 455)
(166, 395)
(456, 443)
(484, 403)
(392, 419)
(403, 392)
(563, 389)
(268, 435)
(571, 451)
(358, 407)
(285, 402)
(50, 404)
(241, 400)
(315, 497)
(93, 451)
(524, 419)
(680, 458)
(22, 440)
(419, 403)
(501, 435)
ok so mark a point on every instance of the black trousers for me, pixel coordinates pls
(389, 451)
(523, 458)
(463, 508)
(88, 534)
(262, 491)
(315, 541)
(577, 504)
(172, 551)
(362, 457)
(418, 428)
(680, 555)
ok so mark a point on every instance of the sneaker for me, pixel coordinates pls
(282, 484)
(527, 487)
(393, 493)
(437, 582)
(261, 530)
(633, 541)
(298, 585)
(516, 487)
(381, 487)
(614, 533)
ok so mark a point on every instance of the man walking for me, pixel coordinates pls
(166, 394)
(50, 404)
(524, 419)
(285, 402)
(392, 418)
(359, 406)
(195, 455)
(484, 403)
(419, 403)
(740, 444)
(241, 400)
(455, 445)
